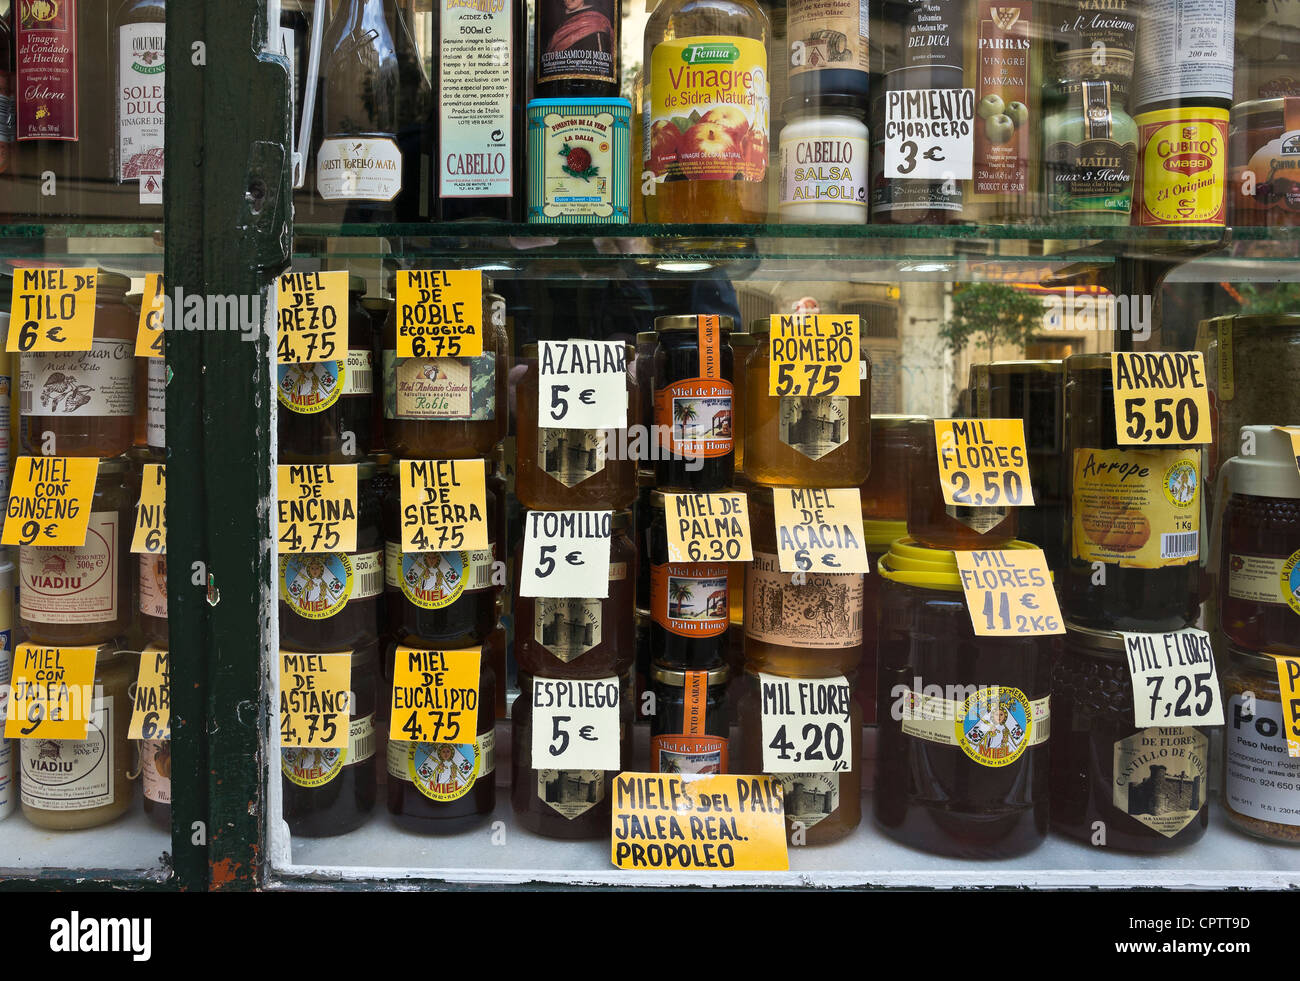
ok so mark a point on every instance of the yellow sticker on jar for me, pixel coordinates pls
(153, 311)
(813, 355)
(1009, 592)
(52, 693)
(435, 696)
(315, 699)
(708, 527)
(311, 317)
(50, 500)
(317, 507)
(1288, 679)
(52, 309)
(1160, 398)
(439, 313)
(444, 505)
(151, 512)
(983, 462)
(819, 529)
(151, 704)
(1182, 168)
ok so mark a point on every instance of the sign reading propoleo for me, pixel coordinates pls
(151, 512)
(708, 527)
(439, 313)
(566, 554)
(312, 317)
(317, 507)
(983, 462)
(575, 724)
(1160, 399)
(52, 693)
(814, 355)
(1009, 592)
(819, 529)
(151, 705)
(697, 822)
(315, 699)
(49, 501)
(52, 310)
(435, 696)
(444, 505)
(1174, 680)
(582, 385)
(153, 310)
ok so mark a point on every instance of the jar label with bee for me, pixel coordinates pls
(1140, 509)
(1161, 777)
(98, 382)
(813, 426)
(310, 386)
(571, 455)
(446, 389)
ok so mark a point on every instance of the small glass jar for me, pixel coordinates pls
(571, 469)
(825, 154)
(330, 792)
(573, 637)
(1090, 156)
(151, 586)
(330, 600)
(690, 731)
(379, 308)
(689, 604)
(879, 536)
(82, 595)
(85, 399)
(72, 784)
(1146, 788)
(886, 490)
(742, 347)
(155, 765)
(936, 524)
(694, 403)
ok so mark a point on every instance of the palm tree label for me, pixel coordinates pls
(690, 599)
(686, 753)
(695, 417)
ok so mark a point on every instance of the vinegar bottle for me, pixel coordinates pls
(140, 70)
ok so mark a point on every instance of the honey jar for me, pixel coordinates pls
(886, 490)
(690, 609)
(694, 403)
(937, 524)
(690, 731)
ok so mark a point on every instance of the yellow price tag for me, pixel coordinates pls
(1288, 680)
(444, 505)
(317, 507)
(983, 463)
(435, 696)
(151, 707)
(1009, 592)
(1160, 399)
(819, 530)
(52, 310)
(439, 313)
(315, 699)
(49, 501)
(708, 527)
(814, 355)
(1294, 433)
(312, 317)
(151, 513)
(153, 312)
(53, 692)
(698, 822)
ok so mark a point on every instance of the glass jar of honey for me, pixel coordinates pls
(694, 403)
(85, 399)
(155, 763)
(379, 308)
(646, 342)
(571, 469)
(689, 605)
(1114, 785)
(804, 441)
(1135, 512)
(690, 731)
(152, 589)
(933, 522)
(962, 720)
(742, 346)
(886, 490)
(879, 536)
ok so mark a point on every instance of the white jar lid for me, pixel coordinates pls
(1271, 471)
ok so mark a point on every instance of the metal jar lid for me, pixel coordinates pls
(677, 679)
(1105, 643)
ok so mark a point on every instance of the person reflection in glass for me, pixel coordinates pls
(584, 28)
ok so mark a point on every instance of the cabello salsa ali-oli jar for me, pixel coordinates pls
(694, 402)
(825, 160)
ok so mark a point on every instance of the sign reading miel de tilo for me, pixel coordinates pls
(52, 309)
(1160, 399)
(439, 313)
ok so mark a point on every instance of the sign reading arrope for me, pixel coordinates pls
(151, 512)
(708, 527)
(983, 462)
(698, 821)
(312, 317)
(52, 310)
(1009, 592)
(814, 355)
(435, 696)
(1174, 680)
(153, 311)
(819, 529)
(1160, 399)
(583, 385)
(317, 506)
(1288, 680)
(439, 313)
(575, 724)
(49, 501)
(444, 505)
(315, 699)
(566, 554)
(53, 692)
(151, 707)
(806, 724)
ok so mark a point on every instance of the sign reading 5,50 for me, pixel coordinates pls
(1160, 399)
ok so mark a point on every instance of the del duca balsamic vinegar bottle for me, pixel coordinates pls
(140, 70)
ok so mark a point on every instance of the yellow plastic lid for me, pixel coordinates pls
(878, 531)
(911, 564)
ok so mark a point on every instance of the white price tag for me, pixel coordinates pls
(806, 724)
(575, 724)
(1174, 681)
(566, 554)
(929, 134)
(582, 385)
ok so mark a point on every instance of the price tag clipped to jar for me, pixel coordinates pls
(575, 724)
(52, 310)
(566, 554)
(317, 507)
(930, 133)
(435, 696)
(151, 702)
(983, 462)
(819, 530)
(1160, 399)
(150, 534)
(698, 822)
(1174, 679)
(50, 501)
(1288, 681)
(814, 355)
(444, 505)
(439, 313)
(1294, 433)
(806, 724)
(311, 317)
(708, 527)
(52, 692)
(583, 385)
(315, 699)
(153, 314)
(1009, 592)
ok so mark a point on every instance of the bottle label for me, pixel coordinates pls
(310, 387)
(475, 99)
(809, 797)
(1161, 777)
(432, 580)
(825, 171)
(1003, 126)
(153, 585)
(46, 46)
(933, 35)
(449, 389)
(571, 455)
(1182, 167)
(6, 120)
(570, 793)
(308, 767)
(709, 109)
(1140, 509)
(695, 417)
(568, 628)
(1094, 177)
(1265, 579)
(688, 754)
(823, 614)
(829, 34)
(813, 426)
(577, 39)
(319, 585)
(98, 382)
(359, 377)
(141, 87)
(358, 169)
(72, 774)
(447, 771)
(690, 599)
(73, 585)
(1274, 167)
(1260, 777)
(157, 399)
(1184, 51)
(1094, 43)
(993, 726)
(156, 770)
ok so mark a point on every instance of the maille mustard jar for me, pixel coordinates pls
(330, 792)
(82, 403)
(690, 731)
(962, 753)
(1135, 516)
(804, 441)
(694, 424)
(937, 524)
(1115, 785)
(689, 604)
(1261, 780)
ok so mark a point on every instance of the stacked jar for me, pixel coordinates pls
(8, 749)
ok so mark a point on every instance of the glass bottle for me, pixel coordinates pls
(414, 117)
(576, 50)
(689, 604)
(886, 490)
(690, 731)
(694, 400)
(6, 97)
(933, 522)
(155, 759)
(1078, 30)
(140, 70)
(828, 48)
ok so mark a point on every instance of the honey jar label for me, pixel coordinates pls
(53, 309)
(568, 628)
(1182, 167)
(695, 418)
(806, 724)
(814, 355)
(311, 316)
(683, 753)
(1260, 777)
(809, 797)
(316, 507)
(156, 770)
(72, 774)
(445, 771)
(73, 585)
(690, 599)
(1288, 680)
(1161, 398)
(977, 519)
(433, 580)
(983, 463)
(570, 793)
(813, 426)
(153, 313)
(150, 533)
(824, 612)
(439, 313)
(1161, 777)
(153, 586)
(359, 373)
(97, 381)
(819, 530)
(571, 455)
(1265, 579)
(1140, 509)
(316, 586)
(151, 703)
(576, 724)
(311, 387)
(316, 767)
(440, 389)
(315, 699)
(993, 725)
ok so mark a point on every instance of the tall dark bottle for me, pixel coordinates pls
(576, 50)
(140, 72)
(358, 162)
(6, 96)
(414, 116)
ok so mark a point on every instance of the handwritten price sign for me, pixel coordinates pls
(312, 317)
(317, 507)
(814, 355)
(49, 502)
(52, 310)
(439, 313)
(1160, 399)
